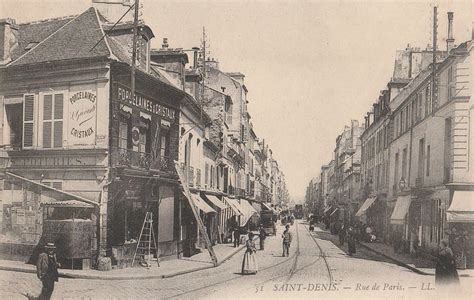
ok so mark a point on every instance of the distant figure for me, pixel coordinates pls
(287, 237)
(446, 272)
(351, 240)
(236, 234)
(263, 235)
(342, 234)
(249, 264)
(47, 270)
(368, 233)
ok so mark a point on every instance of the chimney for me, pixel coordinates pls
(8, 39)
(450, 39)
(165, 44)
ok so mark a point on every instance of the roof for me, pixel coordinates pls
(65, 39)
(35, 32)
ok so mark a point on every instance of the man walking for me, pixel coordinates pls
(286, 241)
(47, 270)
(262, 235)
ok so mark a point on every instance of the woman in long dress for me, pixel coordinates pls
(446, 272)
(249, 264)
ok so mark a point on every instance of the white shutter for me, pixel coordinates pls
(58, 120)
(28, 120)
(47, 120)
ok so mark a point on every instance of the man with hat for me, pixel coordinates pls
(47, 270)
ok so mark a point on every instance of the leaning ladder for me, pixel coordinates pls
(146, 242)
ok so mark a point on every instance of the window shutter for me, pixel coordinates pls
(58, 106)
(58, 134)
(58, 123)
(28, 120)
(47, 107)
(47, 134)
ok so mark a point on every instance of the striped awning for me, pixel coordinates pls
(400, 210)
(367, 203)
(234, 204)
(248, 211)
(215, 201)
(201, 204)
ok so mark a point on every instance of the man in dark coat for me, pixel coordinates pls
(262, 235)
(236, 234)
(287, 237)
(47, 270)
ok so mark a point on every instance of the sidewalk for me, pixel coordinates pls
(420, 265)
(167, 269)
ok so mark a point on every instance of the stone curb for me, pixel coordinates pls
(63, 274)
(398, 262)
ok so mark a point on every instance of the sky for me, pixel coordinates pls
(310, 66)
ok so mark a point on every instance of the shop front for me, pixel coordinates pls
(460, 218)
(144, 131)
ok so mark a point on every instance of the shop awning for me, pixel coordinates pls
(214, 200)
(461, 209)
(68, 203)
(400, 211)
(368, 202)
(201, 204)
(248, 212)
(234, 205)
(69, 195)
(268, 207)
(257, 206)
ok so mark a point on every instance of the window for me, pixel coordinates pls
(28, 120)
(229, 114)
(395, 178)
(123, 135)
(402, 117)
(212, 176)
(407, 117)
(421, 106)
(142, 142)
(451, 86)
(413, 112)
(206, 174)
(164, 142)
(53, 120)
(428, 100)
(421, 157)
(13, 126)
(404, 163)
(428, 157)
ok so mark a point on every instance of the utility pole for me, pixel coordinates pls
(203, 67)
(134, 47)
(434, 93)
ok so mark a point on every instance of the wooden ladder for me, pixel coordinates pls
(146, 245)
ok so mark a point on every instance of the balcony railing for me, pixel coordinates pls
(240, 192)
(145, 161)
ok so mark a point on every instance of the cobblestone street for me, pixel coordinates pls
(303, 274)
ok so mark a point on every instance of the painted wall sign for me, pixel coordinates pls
(82, 118)
(125, 95)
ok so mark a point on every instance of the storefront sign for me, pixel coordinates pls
(125, 95)
(82, 118)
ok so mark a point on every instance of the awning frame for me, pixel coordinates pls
(365, 206)
(96, 204)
